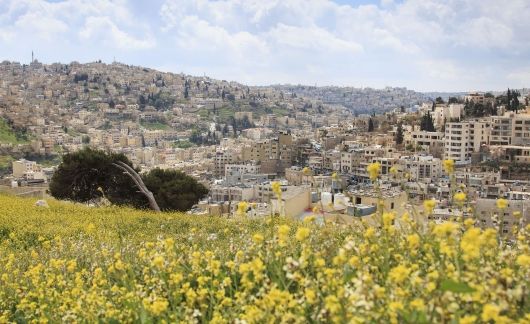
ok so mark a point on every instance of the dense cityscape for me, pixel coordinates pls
(250, 162)
(236, 139)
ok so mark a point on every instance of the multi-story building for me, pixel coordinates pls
(28, 170)
(430, 141)
(510, 129)
(462, 139)
(422, 168)
(238, 169)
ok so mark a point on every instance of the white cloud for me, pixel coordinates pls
(417, 43)
(520, 77)
(98, 20)
(103, 29)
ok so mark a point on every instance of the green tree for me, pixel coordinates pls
(81, 175)
(427, 123)
(399, 134)
(173, 190)
(370, 125)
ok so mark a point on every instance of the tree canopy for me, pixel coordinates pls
(89, 174)
(173, 189)
(427, 123)
(85, 175)
(399, 134)
(370, 125)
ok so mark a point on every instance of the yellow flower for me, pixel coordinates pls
(429, 205)
(306, 171)
(388, 219)
(460, 197)
(334, 176)
(91, 228)
(490, 312)
(445, 229)
(302, 234)
(309, 219)
(449, 166)
(523, 260)
(242, 208)
(417, 304)
(502, 203)
(158, 261)
(469, 319)
(393, 170)
(276, 188)
(310, 295)
(471, 243)
(413, 241)
(159, 306)
(373, 170)
(399, 274)
(258, 238)
(283, 230)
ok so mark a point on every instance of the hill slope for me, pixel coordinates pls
(71, 263)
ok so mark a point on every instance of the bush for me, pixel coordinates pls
(173, 190)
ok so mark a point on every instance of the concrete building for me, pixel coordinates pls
(510, 129)
(463, 139)
(28, 170)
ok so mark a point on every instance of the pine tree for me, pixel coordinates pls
(399, 134)
(370, 125)
(427, 123)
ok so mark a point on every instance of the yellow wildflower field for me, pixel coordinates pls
(69, 263)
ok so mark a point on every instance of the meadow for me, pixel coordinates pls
(70, 263)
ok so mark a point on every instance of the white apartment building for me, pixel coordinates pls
(443, 113)
(429, 141)
(28, 170)
(462, 139)
(422, 168)
(510, 129)
(238, 169)
(220, 193)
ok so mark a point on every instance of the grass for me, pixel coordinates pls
(6, 163)
(70, 263)
(8, 136)
(155, 125)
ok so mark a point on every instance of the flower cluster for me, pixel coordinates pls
(74, 264)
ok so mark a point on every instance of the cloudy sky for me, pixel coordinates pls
(426, 45)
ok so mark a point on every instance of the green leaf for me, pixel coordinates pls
(456, 287)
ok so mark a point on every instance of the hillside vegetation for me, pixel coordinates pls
(10, 136)
(69, 263)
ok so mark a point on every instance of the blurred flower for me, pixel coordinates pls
(373, 170)
(449, 166)
(242, 208)
(460, 197)
(302, 234)
(502, 203)
(276, 188)
(429, 205)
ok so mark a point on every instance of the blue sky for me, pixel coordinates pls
(426, 45)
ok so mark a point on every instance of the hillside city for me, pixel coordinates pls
(237, 139)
